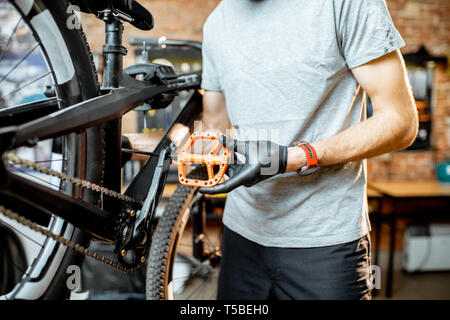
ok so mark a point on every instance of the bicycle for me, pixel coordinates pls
(84, 202)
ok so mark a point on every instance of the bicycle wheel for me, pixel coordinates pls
(183, 262)
(71, 72)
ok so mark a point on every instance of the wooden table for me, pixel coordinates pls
(424, 199)
(411, 189)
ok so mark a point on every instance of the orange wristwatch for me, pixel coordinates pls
(312, 163)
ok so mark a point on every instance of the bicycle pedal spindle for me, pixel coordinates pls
(216, 160)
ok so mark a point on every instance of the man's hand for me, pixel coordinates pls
(251, 162)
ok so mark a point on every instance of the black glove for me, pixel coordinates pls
(262, 160)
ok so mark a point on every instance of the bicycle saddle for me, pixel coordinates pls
(141, 17)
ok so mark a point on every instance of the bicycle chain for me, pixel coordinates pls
(66, 242)
(77, 181)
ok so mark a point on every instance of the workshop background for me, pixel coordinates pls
(421, 23)
(425, 27)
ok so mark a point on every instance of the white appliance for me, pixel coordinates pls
(426, 248)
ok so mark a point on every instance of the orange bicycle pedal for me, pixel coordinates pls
(209, 159)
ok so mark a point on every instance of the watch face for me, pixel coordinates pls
(308, 172)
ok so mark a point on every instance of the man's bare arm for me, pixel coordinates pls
(215, 116)
(392, 127)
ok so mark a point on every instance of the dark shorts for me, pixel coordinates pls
(250, 271)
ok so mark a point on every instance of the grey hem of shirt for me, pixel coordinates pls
(298, 242)
(209, 86)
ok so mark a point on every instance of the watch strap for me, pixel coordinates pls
(311, 156)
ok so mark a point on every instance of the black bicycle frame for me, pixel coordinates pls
(86, 114)
(124, 93)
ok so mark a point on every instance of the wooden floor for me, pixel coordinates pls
(418, 286)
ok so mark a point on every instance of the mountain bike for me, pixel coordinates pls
(72, 195)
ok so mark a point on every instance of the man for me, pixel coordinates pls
(290, 71)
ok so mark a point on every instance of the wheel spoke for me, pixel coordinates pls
(24, 235)
(47, 161)
(35, 177)
(17, 64)
(9, 39)
(26, 85)
(21, 233)
(16, 266)
(194, 291)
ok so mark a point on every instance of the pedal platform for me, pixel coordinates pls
(216, 159)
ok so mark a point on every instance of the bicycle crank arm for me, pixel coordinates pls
(136, 235)
(156, 188)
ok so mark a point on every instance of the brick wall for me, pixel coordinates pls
(419, 21)
(176, 19)
(423, 22)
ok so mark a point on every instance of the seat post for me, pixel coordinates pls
(113, 51)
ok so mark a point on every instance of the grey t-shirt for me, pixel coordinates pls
(284, 68)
